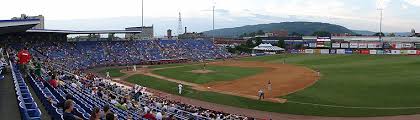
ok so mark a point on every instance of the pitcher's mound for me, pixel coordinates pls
(202, 71)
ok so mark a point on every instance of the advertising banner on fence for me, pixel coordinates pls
(362, 45)
(375, 45)
(395, 52)
(387, 52)
(325, 51)
(418, 52)
(372, 52)
(333, 51)
(412, 52)
(317, 51)
(341, 51)
(364, 51)
(349, 51)
(354, 45)
(344, 45)
(309, 51)
(336, 45)
(294, 51)
(404, 52)
(380, 52)
(407, 45)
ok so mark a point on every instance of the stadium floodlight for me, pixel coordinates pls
(381, 6)
(214, 6)
(142, 13)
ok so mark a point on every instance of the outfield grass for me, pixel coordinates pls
(113, 72)
(221, 73)
(347, 80)
(361, 80)
(291, 108)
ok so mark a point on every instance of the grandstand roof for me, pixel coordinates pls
(25, 25)
(80, 32)
(10, 26)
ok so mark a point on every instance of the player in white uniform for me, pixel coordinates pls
(134, 68)
(107, 75)
(179, 88)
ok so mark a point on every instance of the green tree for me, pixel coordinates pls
(377, 34)
(249, 43)
(391, 34)
(280, 43)
(258, 41)
(231, 49)
(296, 34)
(322, 34)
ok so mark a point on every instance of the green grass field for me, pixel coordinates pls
(113, 72)
(221, 73)
(347, 80)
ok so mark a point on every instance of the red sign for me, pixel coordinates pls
(364, 52)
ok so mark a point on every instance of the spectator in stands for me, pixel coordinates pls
(24, 58)
(62, 104)
(149, 116)
(106, 110)
(110, 116)
(159, 116)
(171, 117)
(95, 115)
(54, 82)
(68, 109)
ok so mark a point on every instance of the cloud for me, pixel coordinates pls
(413, 2)
(382, 4)
(404, 6)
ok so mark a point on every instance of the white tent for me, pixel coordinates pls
(268, 47)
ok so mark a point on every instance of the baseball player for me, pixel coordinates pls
(269, 85)
(179, 88)
(260, 94)
(107, 75)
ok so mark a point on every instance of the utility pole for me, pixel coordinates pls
(381, 9)
(380, 23)
(214, 6)
(142, 14)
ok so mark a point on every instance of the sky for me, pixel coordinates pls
(398, 15)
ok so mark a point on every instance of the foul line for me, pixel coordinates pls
(351, 107)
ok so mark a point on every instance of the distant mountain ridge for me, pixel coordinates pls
(366, 32)
(306, 28)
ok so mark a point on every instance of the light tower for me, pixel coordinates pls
(380, 23)
(381, 9)
(142, 14)
(180, 29)
(214, 6)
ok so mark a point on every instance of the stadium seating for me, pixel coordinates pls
(66, 57)
(28, 108)
(89, 54)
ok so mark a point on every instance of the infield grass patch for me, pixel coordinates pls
(220, 73)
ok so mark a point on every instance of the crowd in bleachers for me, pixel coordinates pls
(75, 94)
(88, 54)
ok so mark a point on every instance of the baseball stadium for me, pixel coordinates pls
(50, 74)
